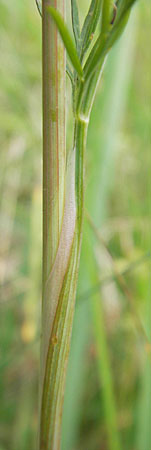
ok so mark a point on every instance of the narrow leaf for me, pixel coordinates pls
(75, 21)
(67, 40)
(124, 7)
(89, 25)
(106, 41)
(123, 13)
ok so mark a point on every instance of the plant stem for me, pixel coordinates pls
(62, 229)
(54, 146)
(63, 206)
(106, 11)
(59, 341)
(54, 164)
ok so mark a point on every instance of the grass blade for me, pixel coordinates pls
(89, 25)
(106, 41)
(67, 40)
(75, 22)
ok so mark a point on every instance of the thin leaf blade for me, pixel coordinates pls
(75, 22)
(67, 40)
(89, 25)
(106, 41)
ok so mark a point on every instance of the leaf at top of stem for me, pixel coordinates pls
(124, 6)
(75, 22)
(67, 40)
(106, 41)
(89, 25)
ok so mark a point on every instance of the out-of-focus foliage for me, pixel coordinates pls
(118, 199)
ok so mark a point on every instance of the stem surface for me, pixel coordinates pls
(63, 193)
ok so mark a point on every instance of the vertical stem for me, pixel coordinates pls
(54, 148)
(54, 163)
(80, 145)
(62, 228)
(63, 196)
(61, 285)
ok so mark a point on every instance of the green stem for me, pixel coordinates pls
(63, 196)
(80, 134)
(54, 146)
(106, 15)
(59, 341)
(63, 206)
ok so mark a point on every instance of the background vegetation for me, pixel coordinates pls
(110, 363)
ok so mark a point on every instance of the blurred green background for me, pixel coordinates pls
(108, 390)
